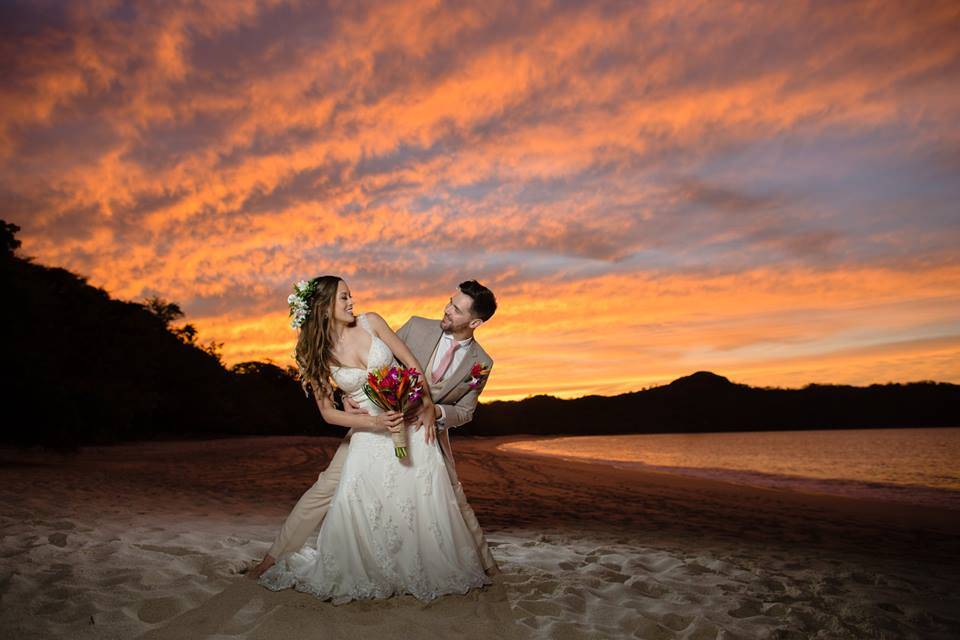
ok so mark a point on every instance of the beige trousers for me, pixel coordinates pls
(310, 510)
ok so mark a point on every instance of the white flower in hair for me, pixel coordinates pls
(299, 302)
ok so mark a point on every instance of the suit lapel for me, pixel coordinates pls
(459, 373)
(425, 343)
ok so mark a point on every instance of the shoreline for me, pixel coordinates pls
(12, 449)
(874, 490)
(656, 478)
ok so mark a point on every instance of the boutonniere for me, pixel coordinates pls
(478, 373)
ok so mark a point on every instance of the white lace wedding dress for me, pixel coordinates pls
(393, 527)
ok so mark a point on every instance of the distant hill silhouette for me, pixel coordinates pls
(704, 401)
(83, 368)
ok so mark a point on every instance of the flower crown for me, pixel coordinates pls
(299, 301)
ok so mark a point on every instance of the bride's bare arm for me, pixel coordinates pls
(402, 352)
(388, 421)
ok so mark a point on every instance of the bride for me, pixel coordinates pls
(394, 525)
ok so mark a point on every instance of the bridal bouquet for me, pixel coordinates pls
(395, 389)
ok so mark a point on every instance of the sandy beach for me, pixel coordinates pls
(152, 540)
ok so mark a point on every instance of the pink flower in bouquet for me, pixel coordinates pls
(394, 389)
(391, 380)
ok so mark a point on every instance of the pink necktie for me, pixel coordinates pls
(441, 369)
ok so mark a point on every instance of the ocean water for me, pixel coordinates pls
(917, 466)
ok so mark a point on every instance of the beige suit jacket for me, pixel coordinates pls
(458, 399)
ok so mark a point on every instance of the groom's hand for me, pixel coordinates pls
(352, 407)
(428, 420)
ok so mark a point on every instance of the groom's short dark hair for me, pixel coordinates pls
(484, 302)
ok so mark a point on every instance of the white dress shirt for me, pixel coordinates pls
(445, 344)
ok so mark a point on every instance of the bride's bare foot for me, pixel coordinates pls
(257, 571)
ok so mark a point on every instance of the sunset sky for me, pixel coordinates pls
(769, 191)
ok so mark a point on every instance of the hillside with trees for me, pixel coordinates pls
(82, 367)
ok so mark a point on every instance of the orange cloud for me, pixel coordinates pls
(614, 334)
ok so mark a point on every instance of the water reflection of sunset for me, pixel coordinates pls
(765, 191)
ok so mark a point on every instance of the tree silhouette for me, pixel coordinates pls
(8, 240)
(167, 312)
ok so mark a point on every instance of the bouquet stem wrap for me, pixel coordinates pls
(395, 389)
(400, 441)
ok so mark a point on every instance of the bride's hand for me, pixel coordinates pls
(390, 421)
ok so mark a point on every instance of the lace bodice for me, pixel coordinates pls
(351, 379)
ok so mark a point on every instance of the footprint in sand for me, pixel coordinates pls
(747, 609)
(676, 622)
(172, 551)
(864, 578)
(606, 575)
(573, 601)
(697, 569)
(771, 585)
(159, 609)
(652, 630)
(649, 589)
(547, 586)
(117, 577)
(57, 539)
(541, 608)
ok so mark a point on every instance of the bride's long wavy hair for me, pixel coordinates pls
(314, 350)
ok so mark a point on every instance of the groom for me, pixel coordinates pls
(457, 368)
